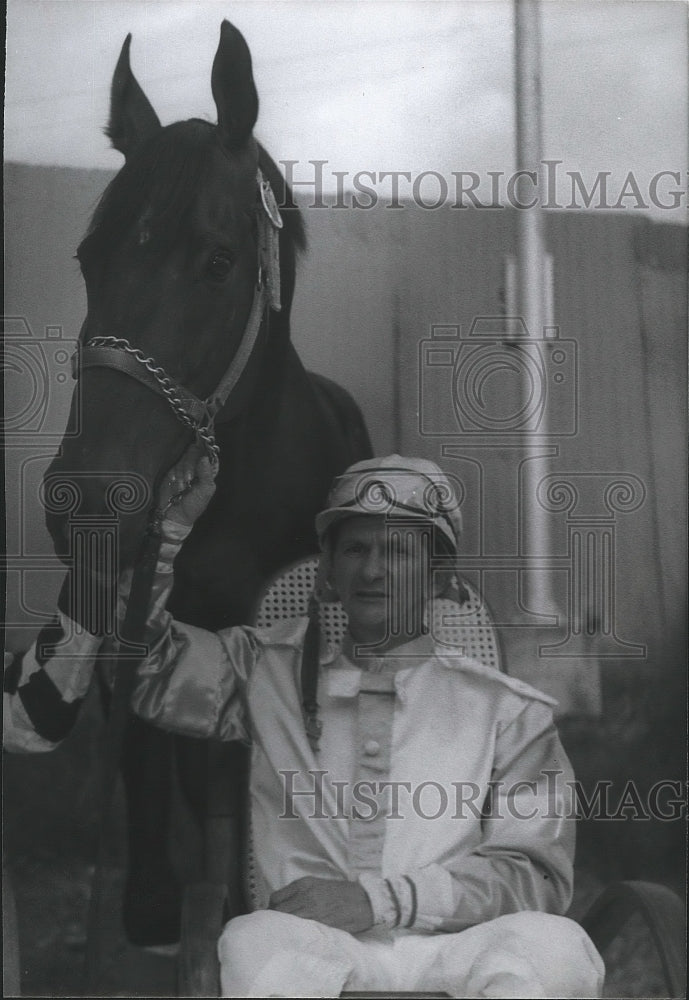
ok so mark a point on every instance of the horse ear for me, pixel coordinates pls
(234, 91)
(132, 118)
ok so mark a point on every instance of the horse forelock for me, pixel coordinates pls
(161, 182)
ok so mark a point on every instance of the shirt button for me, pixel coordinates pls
(371, 748)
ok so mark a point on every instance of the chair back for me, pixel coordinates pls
(467, 625)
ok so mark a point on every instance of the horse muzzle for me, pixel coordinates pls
(99, 517)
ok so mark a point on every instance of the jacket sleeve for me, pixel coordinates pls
(45, 686)
(524, 860)
(192, 681)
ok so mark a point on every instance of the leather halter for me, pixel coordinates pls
(199, 414)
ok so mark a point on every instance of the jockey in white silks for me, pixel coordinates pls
(410, 823)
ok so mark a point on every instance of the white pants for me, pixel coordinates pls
(268, 953)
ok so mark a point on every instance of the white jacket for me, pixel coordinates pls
(440, 783)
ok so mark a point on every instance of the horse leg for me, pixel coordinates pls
(191, 759)
(152, 898)
(213, 776)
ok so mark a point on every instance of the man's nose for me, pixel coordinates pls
(374, 565)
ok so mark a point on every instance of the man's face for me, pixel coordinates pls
(381, 577)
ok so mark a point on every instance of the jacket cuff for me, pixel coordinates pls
(422, 899)
(381, 899)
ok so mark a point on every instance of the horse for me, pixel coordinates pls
(183, 282)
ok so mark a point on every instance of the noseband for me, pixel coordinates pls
(199, 414)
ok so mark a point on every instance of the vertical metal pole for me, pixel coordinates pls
(397, 430)
(531, 272)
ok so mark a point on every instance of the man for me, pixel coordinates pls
(408, 818)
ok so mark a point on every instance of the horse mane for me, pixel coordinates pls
(163, 178)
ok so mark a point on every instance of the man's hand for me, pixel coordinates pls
(335, 902)
(188, 488)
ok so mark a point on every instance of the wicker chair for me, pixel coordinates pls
(467, 625)
(209, 904)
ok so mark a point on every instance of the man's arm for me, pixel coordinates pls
(525, 858)
(192, 680)
(43, 688)
(187, 683)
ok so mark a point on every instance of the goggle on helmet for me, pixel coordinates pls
(398, 487)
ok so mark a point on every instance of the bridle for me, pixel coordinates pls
(199, 414)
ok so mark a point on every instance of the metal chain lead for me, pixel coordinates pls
(170, 390)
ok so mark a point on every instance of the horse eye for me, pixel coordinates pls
(220, 265)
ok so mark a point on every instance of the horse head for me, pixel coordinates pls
(179, 267)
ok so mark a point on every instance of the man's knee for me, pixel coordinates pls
(253, 937)
(246, 943)
(234, 947)
(563, 957)
(237, 937)
(266, 952)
